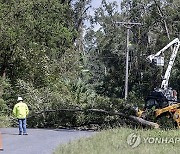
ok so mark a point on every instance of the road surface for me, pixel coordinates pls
(39, 141)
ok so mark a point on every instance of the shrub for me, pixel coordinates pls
(45, 105)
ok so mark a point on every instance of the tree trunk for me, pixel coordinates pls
(132, 118)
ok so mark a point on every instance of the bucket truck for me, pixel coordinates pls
(164, 95)
(163, 100)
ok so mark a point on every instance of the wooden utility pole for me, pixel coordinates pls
(128, 26)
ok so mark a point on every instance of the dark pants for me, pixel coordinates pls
(22, 126)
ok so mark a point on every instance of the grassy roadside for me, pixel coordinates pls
(114, 141)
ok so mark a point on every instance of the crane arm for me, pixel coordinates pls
(176, 44)
(153, 56)
(165, 81)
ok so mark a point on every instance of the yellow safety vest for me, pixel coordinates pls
(20, 110)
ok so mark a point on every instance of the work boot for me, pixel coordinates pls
(25, 133)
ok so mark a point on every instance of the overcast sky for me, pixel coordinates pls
(95, 4)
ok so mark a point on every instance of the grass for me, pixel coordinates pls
(114, 141)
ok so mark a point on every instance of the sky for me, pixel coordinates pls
(95, 4)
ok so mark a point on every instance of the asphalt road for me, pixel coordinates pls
(39, 141)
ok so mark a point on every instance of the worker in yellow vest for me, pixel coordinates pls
(21, 111)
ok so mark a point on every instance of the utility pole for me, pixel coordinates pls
(128, 26)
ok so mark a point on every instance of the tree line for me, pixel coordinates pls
(46, 57)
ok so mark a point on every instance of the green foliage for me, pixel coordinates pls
(3, 106)
(45, 103)
(4, 89)
(5, 121)
(42, 57)
(108, 45)
(135, 100)
(34, 35)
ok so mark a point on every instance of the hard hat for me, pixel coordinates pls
(19, 99)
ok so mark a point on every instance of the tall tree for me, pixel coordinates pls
(34, 36)
(159, 26)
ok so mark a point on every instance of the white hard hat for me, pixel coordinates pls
(19, 99)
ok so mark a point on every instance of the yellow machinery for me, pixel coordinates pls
(162, 103)
(171, 112)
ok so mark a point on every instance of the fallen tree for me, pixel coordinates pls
(130, 117)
